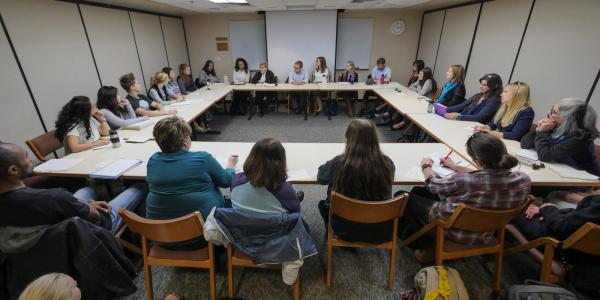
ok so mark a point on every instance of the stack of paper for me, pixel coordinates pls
(141, 125)
(55, 165)
(116, 169)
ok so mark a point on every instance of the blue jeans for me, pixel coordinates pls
(128, 199)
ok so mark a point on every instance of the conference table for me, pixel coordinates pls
(304, 158)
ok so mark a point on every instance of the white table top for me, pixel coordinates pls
(280, 87)
(358, 86)
(456, 133)
(406, 101)
(303, 159)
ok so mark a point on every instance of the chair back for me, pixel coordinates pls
(484, 220)
(597, 151)
(367, 211)
(585, 239)
(166, 231)
(44, 144)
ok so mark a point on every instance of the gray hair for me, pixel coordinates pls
(576, 117)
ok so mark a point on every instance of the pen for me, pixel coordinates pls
(449, 154)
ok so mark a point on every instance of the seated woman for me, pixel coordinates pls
(172, 88)
(262, 98)
(185, 80)
(208, 74)
(362, 172)
(417, 66)
(320, 74)
(116, 109)
(567, 136)
(157, 91)
(425, 86)
(262, 188)
(453, 92)
(349, 75)
(482, 106)
(80, 126)
(183, 181)
(241, 75)
(141, 104)
(515, 115)
(494, 186)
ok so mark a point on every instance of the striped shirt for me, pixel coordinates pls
(488, 189)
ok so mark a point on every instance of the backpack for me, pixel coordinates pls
(435, 283)
(536, 290)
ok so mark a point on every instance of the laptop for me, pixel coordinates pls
(439, 109)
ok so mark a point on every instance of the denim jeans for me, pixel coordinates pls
(128, 199)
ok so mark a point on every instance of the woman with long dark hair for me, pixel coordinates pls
(482, 106)
(116, 109)
(362, 172)
(80, 125)
(320, 75)
(241, 75)
(208, 73)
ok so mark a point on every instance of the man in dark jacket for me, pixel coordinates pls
(264, 76)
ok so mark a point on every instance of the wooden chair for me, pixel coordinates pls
(43, 145)
(236, 258)
(475, 220)
(437, 94)
(365, 212)
(586, 239)
(170, 231)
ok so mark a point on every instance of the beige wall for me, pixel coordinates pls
(399, 51)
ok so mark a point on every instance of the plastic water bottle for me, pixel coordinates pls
(114, 139)
(382, 79)
(430, 107)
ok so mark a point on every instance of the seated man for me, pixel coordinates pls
(297, 77)
(23, 206)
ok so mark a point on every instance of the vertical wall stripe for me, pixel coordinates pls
(137, 51)
(14, 52)
(187, 48)
(164, 41)
(420, 32)
(589, 97)
(439, 41)
(512, 70)
(473, 40)
(87, 37)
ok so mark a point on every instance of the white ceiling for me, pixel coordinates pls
(274, 5)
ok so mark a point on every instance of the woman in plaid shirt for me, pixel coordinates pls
(493, 186)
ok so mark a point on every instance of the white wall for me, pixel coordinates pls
(430, 37)
(51, 44)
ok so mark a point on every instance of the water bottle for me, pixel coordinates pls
(382, 79)
(430, 107)
(114, 139)
(226, 80)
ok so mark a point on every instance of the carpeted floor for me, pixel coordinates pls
(360, 274)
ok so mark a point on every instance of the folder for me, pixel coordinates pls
(116, 169)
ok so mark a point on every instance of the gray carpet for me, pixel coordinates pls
(360, 274)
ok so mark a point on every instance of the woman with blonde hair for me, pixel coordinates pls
(157, 91)
(53, 286)
(515, 115)
(351, 77)
(362, 172)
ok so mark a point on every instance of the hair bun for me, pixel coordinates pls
(508, 162)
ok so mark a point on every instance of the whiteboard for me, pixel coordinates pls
(354, 41)
(248, 41)
(300, 35)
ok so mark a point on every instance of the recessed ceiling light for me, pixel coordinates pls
(229, 1)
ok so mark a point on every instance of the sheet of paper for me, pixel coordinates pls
(53, 165)
(528, 153)
(344, 82)
(116, 169)
(298, 175)
(109, 145)
(441, 170)
(569, 172)
(184, 103)
(141, 125)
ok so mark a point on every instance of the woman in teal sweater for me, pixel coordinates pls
(183, 181)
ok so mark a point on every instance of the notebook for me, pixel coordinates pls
(116, 169)
(444, 171)
(54, 165)
(141, 125)
(439, 109)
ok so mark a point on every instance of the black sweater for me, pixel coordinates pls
(269, 77)
(455, 96)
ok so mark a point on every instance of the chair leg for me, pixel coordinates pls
(392, 267)
(546, 274)
(439, 246)
(148, 275)
(329, 250)
(229, 272)
(498, 274)
(297, 287)
(211, 271)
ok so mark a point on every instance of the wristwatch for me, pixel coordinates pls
(425, 166)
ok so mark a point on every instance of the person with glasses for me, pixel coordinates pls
(566, 135)
(493, 186)
(515, 115)
(264, 75)
(483, 105)
(298, 77)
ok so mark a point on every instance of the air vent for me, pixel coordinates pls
(300, 7)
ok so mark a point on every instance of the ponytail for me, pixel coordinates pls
(507, 162)
(490, 152)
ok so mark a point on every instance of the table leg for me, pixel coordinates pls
(306, 104)
(252, 99)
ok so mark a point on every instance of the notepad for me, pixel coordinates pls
(54, 165)
(565, 171)
(444, 171)
(141, 125)
(116, 169)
